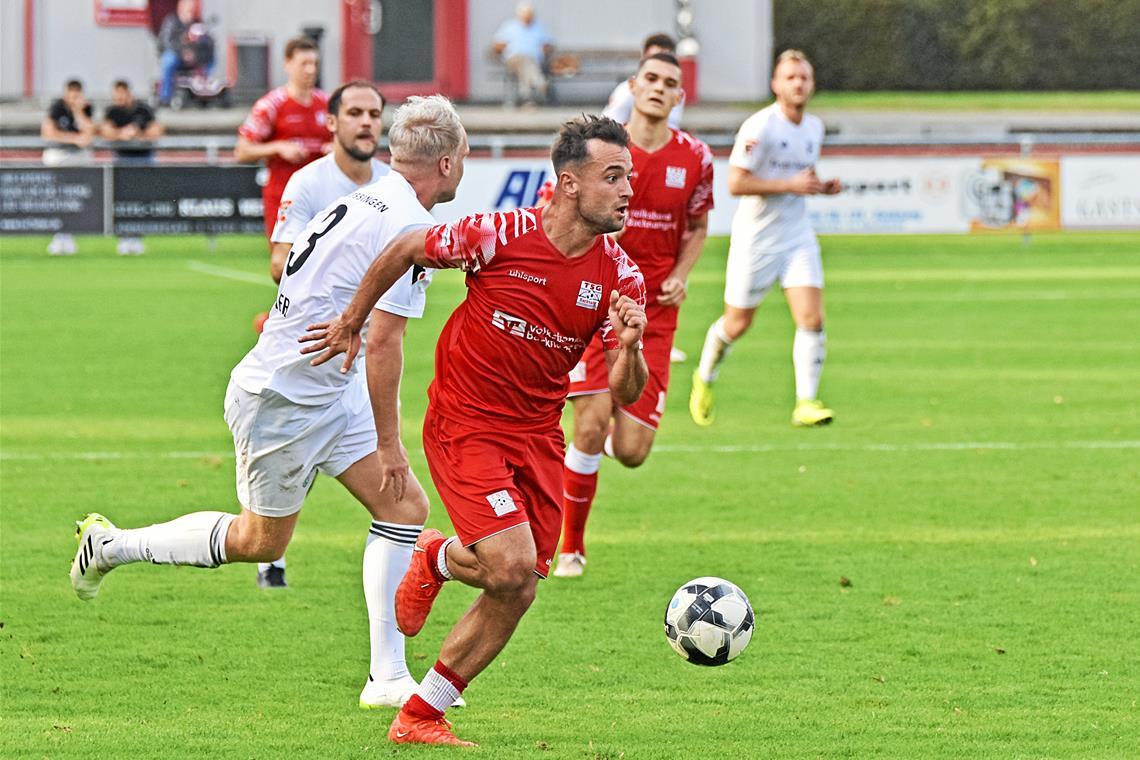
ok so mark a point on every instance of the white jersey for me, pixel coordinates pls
(620, 106)
(772, 147)
(310, 189)
(325, 267)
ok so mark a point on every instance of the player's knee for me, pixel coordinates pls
(513, 576)
(737, 324)
(631, 456)
(590, 432)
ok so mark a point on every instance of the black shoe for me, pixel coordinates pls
(274, 577)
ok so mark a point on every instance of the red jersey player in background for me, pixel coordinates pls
(287, 128)
(541, 284)
(664, 234)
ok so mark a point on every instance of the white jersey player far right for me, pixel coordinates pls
(772, 169)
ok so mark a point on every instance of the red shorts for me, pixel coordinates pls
(492, 480)
(591, 376)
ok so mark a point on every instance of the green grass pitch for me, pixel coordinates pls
(979, 488)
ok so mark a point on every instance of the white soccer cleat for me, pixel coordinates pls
(570, 565)
(394, 692)
(677, 356)
(88, 568)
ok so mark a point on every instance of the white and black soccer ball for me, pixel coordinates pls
(709, 621)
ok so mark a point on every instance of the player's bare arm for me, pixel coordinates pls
(675, 286)
(342, 335)
(384, 365)
(628, 372)
(247, 151)
(743, 182)
(278, 255)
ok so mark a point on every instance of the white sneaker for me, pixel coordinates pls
(89, 568)
(570, 565)
(676, 355)
(394, 692)
(62, 244)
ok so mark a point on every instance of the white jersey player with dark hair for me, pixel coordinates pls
(772, 169)
(354, 119)
(290, 419)
(619, 107)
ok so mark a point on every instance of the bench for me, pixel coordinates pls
(589, 75)
(578, 76)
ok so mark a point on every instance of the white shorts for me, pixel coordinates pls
(280, 445)
(750, 275)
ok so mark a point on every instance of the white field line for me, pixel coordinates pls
(758, 448)
(231, 274)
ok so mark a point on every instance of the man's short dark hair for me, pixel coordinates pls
(658, 40)
(300, 43)
(121, 83)
(666, 57)
(570, 145)
(338, 93)
(73, 84)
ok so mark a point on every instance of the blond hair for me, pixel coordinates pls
(424, 129)
(792, 54)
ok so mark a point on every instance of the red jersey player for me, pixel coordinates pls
(665, 232)
(540, 285)
(286, 127)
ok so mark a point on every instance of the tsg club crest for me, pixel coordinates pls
(675, 177)
(589, 295)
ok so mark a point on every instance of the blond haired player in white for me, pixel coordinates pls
(354, 119)
(290, 419)
(772, 169)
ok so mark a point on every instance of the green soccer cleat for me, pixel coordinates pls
(88, 568)
(811, 413)
(702, 403)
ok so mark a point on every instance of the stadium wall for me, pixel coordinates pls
(882, 194)
(735, 37)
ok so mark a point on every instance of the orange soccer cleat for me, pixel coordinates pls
(419, 587)
(407, 729)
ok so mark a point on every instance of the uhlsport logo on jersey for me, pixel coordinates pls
(589, 295)
(501, 502)
(675, 176)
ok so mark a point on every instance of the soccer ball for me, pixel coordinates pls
(709, 621)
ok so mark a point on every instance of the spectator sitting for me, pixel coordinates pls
(68, 131)
(174, 44)
(132, 124)
(129, 120)
(523, 45)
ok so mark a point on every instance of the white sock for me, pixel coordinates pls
(197, 539)
(716, 348)
(263, 566)
(809, 349)
(387, 555)
(437, 691)
(583, 464)
(441, 559)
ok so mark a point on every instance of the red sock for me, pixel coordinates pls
(417, 708)
(577, 496)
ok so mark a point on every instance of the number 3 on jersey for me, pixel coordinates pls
(296, 261)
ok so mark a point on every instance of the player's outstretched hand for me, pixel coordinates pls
(805, 183)
(394, 468)
(333, 338)
(627, 318)
(673, 291)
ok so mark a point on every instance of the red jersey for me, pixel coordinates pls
(276, 116)
(670, 185)
(505, 355)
